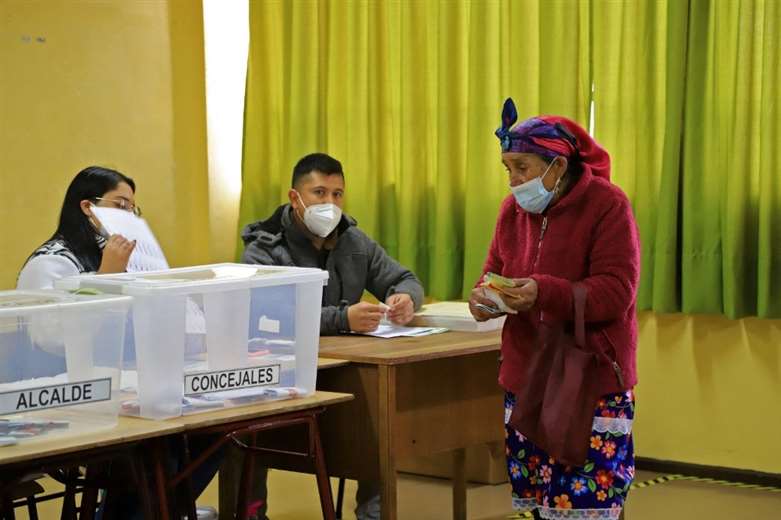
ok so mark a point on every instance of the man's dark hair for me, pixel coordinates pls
(320, 162)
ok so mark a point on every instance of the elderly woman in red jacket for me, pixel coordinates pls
(564, 225)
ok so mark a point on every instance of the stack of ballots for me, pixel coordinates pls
(454, 316)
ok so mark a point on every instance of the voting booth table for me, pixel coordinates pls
(204, 350)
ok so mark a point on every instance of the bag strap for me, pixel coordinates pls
(580, 292)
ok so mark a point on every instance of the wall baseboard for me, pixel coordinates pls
(715, 472)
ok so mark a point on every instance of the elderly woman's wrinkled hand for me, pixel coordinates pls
(479, 303)
(523, 296)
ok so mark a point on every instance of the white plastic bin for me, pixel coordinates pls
(60, 360)
(216, 335)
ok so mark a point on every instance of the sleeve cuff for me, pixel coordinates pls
(554, 295)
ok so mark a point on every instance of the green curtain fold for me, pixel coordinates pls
(407, 94)
(639, 63)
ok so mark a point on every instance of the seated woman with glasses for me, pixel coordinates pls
(80, 244)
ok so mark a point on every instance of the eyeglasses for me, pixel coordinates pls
(122, 204)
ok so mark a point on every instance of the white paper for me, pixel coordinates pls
(396, 331)
(493, 295)
(454, 316)
(253, 393)
(266, 324)
(446, 309)
(147, 255)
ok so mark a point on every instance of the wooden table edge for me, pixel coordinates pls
(107, 438)
(261, 410)
(400, 359)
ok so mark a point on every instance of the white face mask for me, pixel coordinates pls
(321, 219)
(532, 195)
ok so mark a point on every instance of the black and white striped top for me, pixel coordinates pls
(52, 261)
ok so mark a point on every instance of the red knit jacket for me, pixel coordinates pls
(590, 236)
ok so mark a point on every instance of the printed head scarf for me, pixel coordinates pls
(552, 136)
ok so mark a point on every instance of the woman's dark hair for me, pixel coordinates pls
(574, 168)
(74, 227)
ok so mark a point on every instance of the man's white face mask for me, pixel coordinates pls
(321, 219)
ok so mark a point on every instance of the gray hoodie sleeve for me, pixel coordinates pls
(255, 255)
(387, 277)
(333, 320)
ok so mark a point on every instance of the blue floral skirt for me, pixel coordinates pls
(598, 489)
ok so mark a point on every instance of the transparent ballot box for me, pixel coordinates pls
(60, 363)
(219, 335)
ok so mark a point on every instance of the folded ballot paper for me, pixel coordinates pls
(147, 256)
(453, 316)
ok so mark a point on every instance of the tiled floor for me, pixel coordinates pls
(294, 497)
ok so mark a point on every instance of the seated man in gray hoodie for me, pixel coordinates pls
(312, 231)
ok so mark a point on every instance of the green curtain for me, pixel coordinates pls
(407, 95)
(639, 61)
(731, 186)
(687, 100)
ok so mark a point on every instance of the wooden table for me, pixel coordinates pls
(231, 423)
(46, 456)
(413, 397)
(148, 437)
(127, 431)
(324, 363)
(420, 396)
(195, 422)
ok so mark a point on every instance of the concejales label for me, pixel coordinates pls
(221, 380)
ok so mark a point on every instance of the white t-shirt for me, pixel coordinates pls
(42, 271)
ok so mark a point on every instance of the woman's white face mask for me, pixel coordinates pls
(532, 195)
(321, 219)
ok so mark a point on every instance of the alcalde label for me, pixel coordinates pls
(221, 380)
(55, 396)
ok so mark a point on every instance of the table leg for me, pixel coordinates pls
(387, 409)
(138, 472)
(69, 499)
(187, 493)
(8, 509)
(32, 508)
(89, 494)
(323, 483)
(340, 498)
(245, 483)
(158, 454)
(459, 484)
